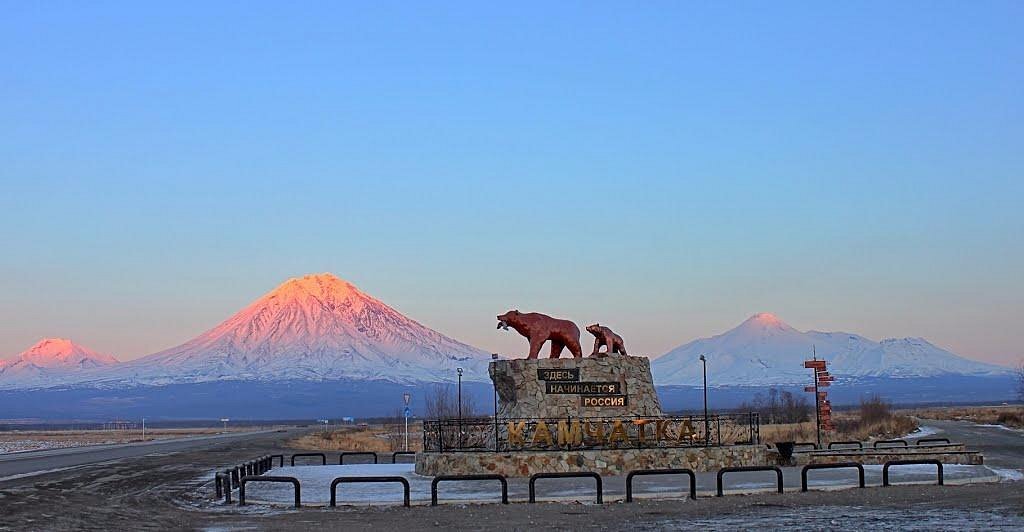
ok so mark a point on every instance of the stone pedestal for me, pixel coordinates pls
(613, 386)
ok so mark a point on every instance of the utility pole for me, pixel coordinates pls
(143, 429)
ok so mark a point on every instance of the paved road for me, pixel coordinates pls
(25, 464)
(1002, 448)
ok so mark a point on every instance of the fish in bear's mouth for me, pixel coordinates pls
(502, 325)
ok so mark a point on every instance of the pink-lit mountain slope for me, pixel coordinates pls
(316, 327)
(50, 361)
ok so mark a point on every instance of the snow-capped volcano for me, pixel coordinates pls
(316, 327)
(763, 350)
(50, 360)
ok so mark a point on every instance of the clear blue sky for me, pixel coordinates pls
(664, 168)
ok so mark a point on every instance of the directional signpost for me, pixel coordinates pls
(822, 406)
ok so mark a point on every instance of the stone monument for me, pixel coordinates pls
(598, 414)
(614, 386)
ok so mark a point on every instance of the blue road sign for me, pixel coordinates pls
(408, 412)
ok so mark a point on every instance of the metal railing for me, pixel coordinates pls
(839, 465)
(321, 456)
(341, 458)
(291, 480)
(353, 480)
(581, 433)
(580, 474)
(885, 468)
(649, 472)
(724, 470)
(396, 454)
(458, 478)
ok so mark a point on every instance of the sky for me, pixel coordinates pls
(665, 168)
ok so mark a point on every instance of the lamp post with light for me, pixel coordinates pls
(406, 397)
(707, 427)
(494, 386)
(459, 371)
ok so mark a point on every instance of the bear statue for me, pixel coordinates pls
(539, 328)
(604, 336)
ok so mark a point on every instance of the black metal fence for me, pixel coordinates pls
(518, 434)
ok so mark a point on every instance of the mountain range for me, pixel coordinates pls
(318, 337)
(315, 328)
(764, 350)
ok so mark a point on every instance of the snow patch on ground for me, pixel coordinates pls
(923, 431)
(316, 484)
(1004, 427)
(1007, 474)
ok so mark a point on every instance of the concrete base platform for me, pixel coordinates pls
(947, 454)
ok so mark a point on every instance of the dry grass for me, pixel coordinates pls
(871, 422)
(376, 438)
(1007, 415)
(894, 426)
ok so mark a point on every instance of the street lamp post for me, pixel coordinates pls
(494, 386)
(707, 427)
(406, 397)
(459, 370)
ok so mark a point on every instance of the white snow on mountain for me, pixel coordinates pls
(763, 350)
(316, 327)
(51, 360)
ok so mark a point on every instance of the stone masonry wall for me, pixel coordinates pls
(606, 462)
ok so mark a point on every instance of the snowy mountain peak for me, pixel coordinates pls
(763, 350)
(49, 361)
(323, 286)
(316, 327)
(61, 352)
(763, 322)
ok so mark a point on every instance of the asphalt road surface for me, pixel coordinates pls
(25, 464)
(168, 486)
(1001, 447)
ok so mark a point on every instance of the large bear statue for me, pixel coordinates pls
(539, 328)
(604, 336)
